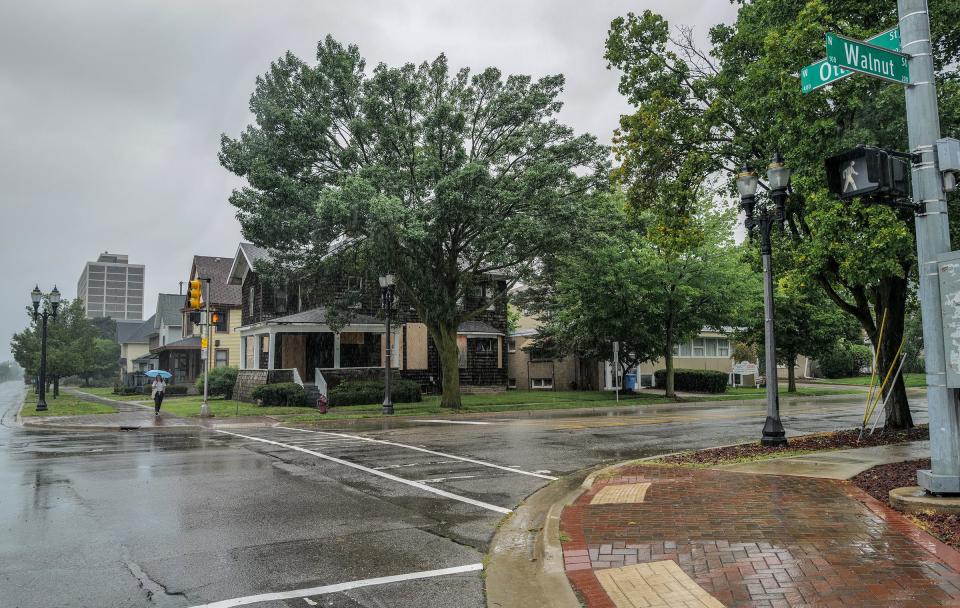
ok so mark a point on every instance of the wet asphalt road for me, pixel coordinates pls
(187, 519)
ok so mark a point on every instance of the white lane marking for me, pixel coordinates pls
(452, 421)
(411, 447)
(309, 601)
(411, 464)
(470, 501)
(339, 587)
(442, 479)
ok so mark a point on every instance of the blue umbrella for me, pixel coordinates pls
(153, 373)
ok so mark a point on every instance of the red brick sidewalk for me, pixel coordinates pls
(759, 540)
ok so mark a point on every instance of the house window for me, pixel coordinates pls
(221, 358)
(280, 299)
(251, 294)
(223, 321)
(511, 383)
(483, 345)
(489, 293)
(538, 354)
(685, 349)
(646, 380)
(723, 348)
(511, 345)
(359, 349)
(711, 347)
(541, 383)
(699, 348)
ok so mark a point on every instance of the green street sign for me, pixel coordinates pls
(822, 73)
(868, 59)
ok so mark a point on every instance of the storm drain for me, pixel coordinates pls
(621, 493)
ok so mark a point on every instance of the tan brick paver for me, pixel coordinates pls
(621, 493)
(654, 585)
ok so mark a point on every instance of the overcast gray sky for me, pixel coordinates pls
(111, 111)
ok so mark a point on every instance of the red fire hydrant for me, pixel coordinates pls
(322, 404)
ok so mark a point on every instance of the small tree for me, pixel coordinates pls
(442, 177)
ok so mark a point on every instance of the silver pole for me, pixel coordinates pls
(773, 433)
(205, 406)
(933, 238)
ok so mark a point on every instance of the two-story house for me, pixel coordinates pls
(285, 328)
(167, 343)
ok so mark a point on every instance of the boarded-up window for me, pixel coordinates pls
(416, 346)
(251, 347)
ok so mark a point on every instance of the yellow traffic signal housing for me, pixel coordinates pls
(214, 318)
(195, 294)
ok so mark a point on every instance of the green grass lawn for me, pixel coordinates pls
(65, 405)
(224, 408)
(911, 380)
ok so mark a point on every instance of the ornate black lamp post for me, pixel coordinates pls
(54, 298)
(387, 286)
(747, 182)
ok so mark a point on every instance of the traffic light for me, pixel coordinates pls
(214, 318)
(868, 171)
(195, 294)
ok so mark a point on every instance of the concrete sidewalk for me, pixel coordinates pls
(134, 416)
(789, 533)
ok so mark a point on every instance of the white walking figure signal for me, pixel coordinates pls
(849, 182)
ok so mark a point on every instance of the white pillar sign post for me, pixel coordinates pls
(616, 369)
(933, 240)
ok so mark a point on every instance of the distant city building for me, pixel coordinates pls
(112, 287)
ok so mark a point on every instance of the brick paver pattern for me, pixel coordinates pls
(756, 540)
(654, 585)
(620, 493)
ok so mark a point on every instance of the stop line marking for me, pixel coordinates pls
(415, 484)
(339, 587)
(426, 451)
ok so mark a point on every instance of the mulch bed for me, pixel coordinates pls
(837, 440)
(878, 482)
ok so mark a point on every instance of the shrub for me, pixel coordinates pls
(171, 391)
(126, 390)
(281, 393)
(844, 360)
(220, 382)
(366, 392)
(695, 380)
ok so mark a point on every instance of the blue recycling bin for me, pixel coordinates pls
(630, 381)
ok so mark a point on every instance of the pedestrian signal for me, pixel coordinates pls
(868, 171)
(195, 297)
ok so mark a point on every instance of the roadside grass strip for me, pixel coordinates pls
(360, 467)
(426, 451)
(339, 587)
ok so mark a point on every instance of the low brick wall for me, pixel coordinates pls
(249, 379)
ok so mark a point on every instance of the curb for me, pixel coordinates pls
(39, 426)
(527, 570)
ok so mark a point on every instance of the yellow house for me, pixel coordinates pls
(225, 301)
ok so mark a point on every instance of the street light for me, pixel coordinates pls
(387, 286)
(747, 182)
(36, 296)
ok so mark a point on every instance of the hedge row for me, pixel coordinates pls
(694, 380)
(220, 382)
(366, 392)
(280, 394)
(148, 390)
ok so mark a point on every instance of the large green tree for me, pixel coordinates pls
(440, 176)
(648, 285)
(704, 112)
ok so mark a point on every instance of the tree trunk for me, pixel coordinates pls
(56, 386)
(445, 338)
(791, 375)
(893, 299)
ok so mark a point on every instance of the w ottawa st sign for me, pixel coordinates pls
(869, 59)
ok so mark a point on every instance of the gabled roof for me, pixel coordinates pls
(478, 327)
(139, 334)
(169, 306)
(217, 269)
(247, 255)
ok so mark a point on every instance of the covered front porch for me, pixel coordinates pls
(182, 359)
(305, 343)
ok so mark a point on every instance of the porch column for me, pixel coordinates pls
(336, 350)
(272, 341)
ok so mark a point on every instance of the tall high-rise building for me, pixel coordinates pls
(112, 287)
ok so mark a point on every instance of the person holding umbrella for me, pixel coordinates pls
(159, 386)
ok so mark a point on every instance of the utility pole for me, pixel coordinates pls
(205, 406)
(933, 239)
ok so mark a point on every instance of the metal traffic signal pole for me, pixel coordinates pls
(933, 239)
(205, 406)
